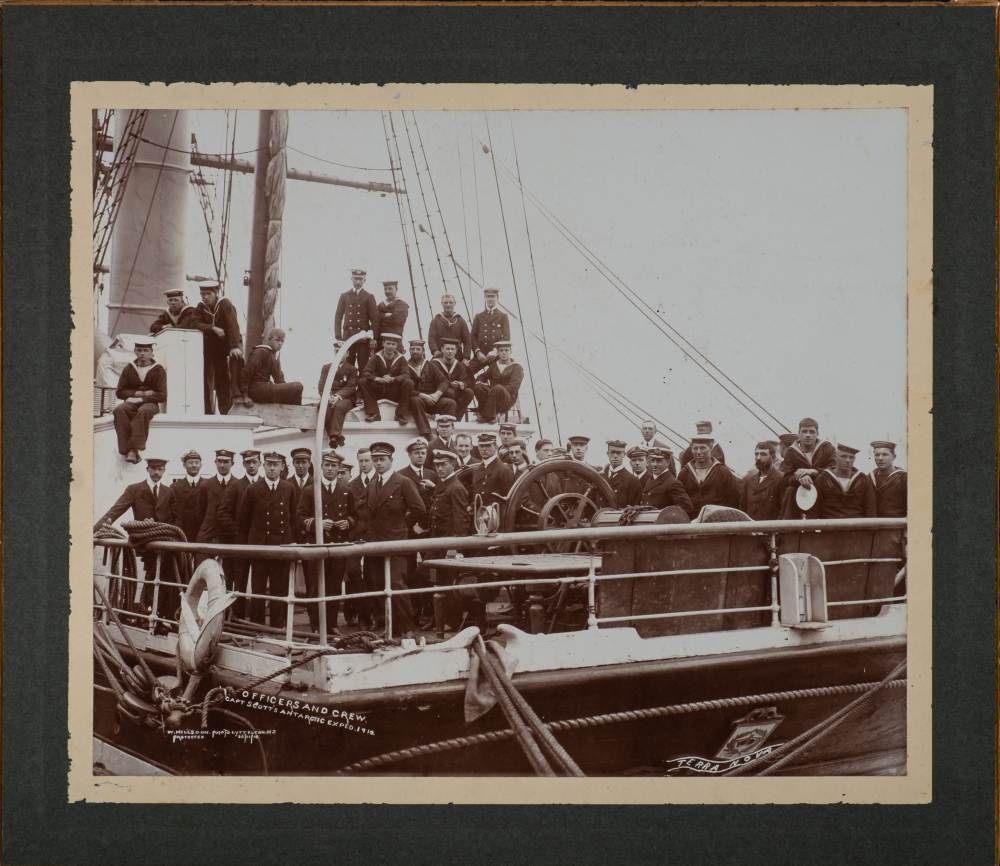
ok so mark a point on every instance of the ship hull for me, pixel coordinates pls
(652, 721)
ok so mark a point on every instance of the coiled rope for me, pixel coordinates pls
(584, 722)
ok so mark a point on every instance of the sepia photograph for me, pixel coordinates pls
(498, 434)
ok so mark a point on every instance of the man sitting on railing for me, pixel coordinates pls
(263, 379)
(445, 387)
(339, 515)
(266, 518)
(142, 386)
(844, 491)
(343, 391)
(496, 390)
(386, 376)
(662, 489)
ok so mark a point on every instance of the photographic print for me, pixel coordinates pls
(475, 443)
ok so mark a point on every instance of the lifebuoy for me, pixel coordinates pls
(197, 635)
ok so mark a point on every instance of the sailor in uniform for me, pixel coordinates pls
(497, 386)
(842, 490)
(189, 496)
(451, 517)
(706, 480)
(178, 313)
(223, 349)
(387, 377)
(393, 311)
(263, 377)
(704, 428)
(507, 433)
(804, 459)
(488, 327)
(637, 462)
(343, 391)
(357, 311)
(267, 518)
(142, 386)
(627, 488)
(338, 514)
(344, 471)
(889, 480)
(762, 488)
(663, 489)
(449, 324)
(446, 386)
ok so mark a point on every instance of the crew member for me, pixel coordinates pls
(222, 351)
(267, 518)
(301, 472)
(227, 519)
(359, 612)
(517, 454)
(449, 324)
(578, 450)
(339, 515)
(889, 481)
(761, 489)
(177, 314)
(489, 327)
(706, 480)
(343, 391)
(804, 459)
(844, 491)
(785, 441)
(356, 312)
(704, 428)
(344, 471)
(451, 517)
(463, 448)
(446, 386)
(426, 481)
(142, 386)
(393, 311)
(387, 377)
(650, 440)
(543, 450)
(216, 527)
(189, 497)
(444, 434)
(496, 390)
(663, 489)
(263, 377)
(392, 506)
(491, 479)
(637, 461)
(627, 488)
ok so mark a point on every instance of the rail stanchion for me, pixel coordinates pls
(155, 607)
(592, 593)
(772, 564)
(387, 580)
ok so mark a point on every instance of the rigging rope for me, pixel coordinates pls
(444, 227)
(402, 227)
(465, 220)
(229, 175)
(479, 218)
(534, 280)
(633, 297)
(513, 276)
(339, 164)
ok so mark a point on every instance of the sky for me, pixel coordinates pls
(775, 241)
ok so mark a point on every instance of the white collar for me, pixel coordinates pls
(385, 477)
(272, 484)
(488, 462)
(192, 479)
(150, 483)
(329, 485)
(252, 478)
(302, 482)
(223, 479)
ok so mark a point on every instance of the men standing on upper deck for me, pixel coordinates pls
(177, 314)
(393, 311)
(387, 377)
(489, 327)
(343, 391)
(447, 384)
(843, 491)
(889, 481)
(496, 390)
(704, 428)
(706, 480)
(339, 515)
(189, 497)
(492, 478)
(263, 376)
(627, 488)
(762, 488)
(357, 311)
(804, 459)
(449, 324)
(223, 351)
(142, 386)
(663, 489)
(651, 440)
(267, 518)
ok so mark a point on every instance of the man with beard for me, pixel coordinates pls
(706, 480)
(263, 377)
(804, 459)
(704, 428)
(177, 314)
(761, 489)
(663, 489)
(447, 384)
(356, 312)
(189, 497)
(497, 387)
(889, 481)
(343, 390)
(449, 324)
(387, 377)
(223, 352)
(843, 491)
(142, 386)
(393, 311)
(338, 514)
(627, 488)
(637, 461)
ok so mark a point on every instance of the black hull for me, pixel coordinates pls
(316, 734)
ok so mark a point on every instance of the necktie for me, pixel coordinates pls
(156, 491)
(364, 479)
(378, 483)
(225, 481)
(420, 474)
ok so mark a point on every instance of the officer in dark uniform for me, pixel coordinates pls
(426, 481)
(662, 489)
(301, 471)
(444, 433)
(177, 314)
(489, 326)
(189, 497)
(215, 528)
(226, 518)
(357, 311)
(393, 311)
(637, 460)
(359, 612)
(627, 488)
(491, 479)
(339, 517)
(267, 518)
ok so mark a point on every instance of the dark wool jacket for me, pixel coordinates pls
(156, 381)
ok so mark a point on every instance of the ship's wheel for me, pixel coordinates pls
(556, 494)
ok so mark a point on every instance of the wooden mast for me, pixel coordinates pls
(258, 239)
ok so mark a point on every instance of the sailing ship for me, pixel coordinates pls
(604, 641)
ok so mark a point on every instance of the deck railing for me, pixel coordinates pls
(589, 539)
